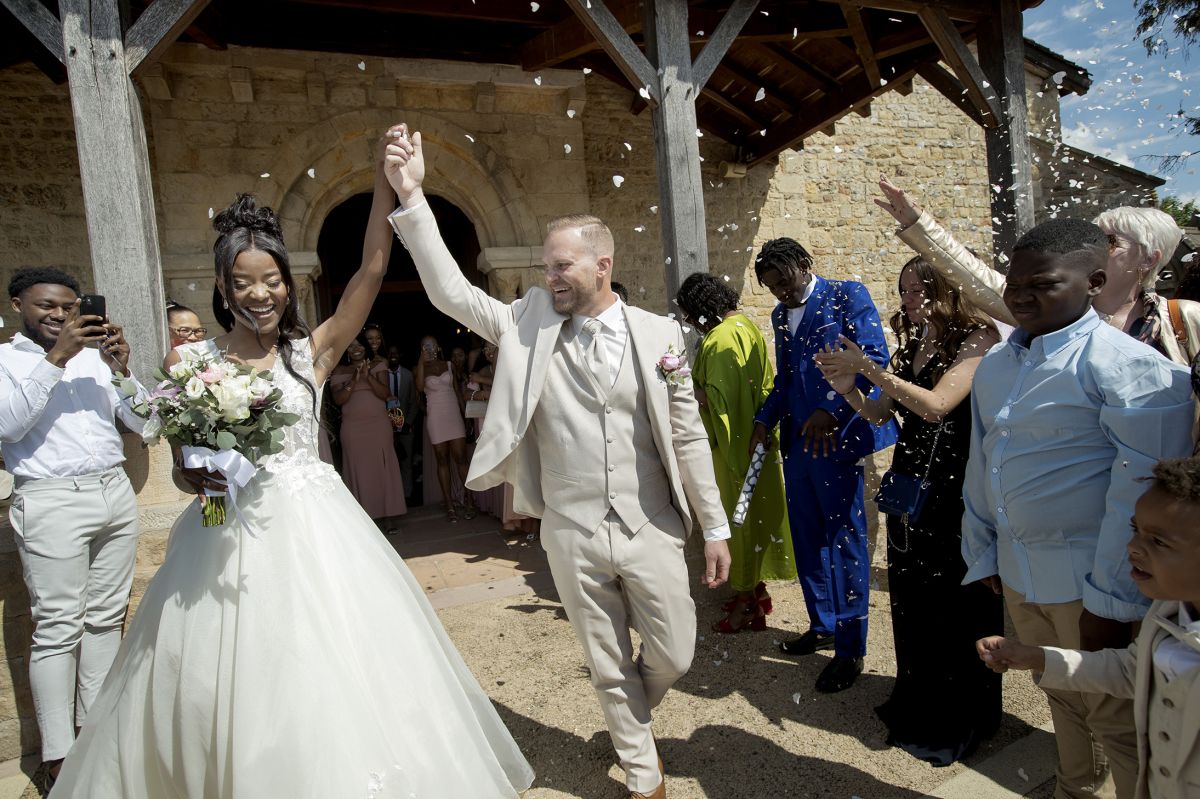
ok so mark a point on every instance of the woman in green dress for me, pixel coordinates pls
(732, 377)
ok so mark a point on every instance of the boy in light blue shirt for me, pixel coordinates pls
(1069, 415)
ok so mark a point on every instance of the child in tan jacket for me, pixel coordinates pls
(1160, 670)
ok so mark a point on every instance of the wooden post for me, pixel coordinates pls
(115, 172)
(681, 191)
(1002, 56)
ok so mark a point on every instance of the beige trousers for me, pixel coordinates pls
(1095, 732)
(608, 580)
(77, 538)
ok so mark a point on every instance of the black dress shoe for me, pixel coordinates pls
(839, 675)
(808, 643)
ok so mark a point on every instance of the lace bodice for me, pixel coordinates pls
(299, 459)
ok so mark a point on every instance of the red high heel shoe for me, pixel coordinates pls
(757, 622)
(764, 600)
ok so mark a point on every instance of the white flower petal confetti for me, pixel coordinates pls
(640, 229)
(628, 146)
(644, 92)
(538, 80)
(618, 180)
(312, 173)
(567, 149)
(265, 175)
(762, 95)
(470, 138)
(210, 213)
(587, 70)
(362, 65)
(570, 113)
(796, 697)
(534, 7)
(654, 210)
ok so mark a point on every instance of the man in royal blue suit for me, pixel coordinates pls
(823, 443)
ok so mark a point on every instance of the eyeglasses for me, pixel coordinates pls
(188, 332)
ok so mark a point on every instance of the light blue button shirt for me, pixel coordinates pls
(1064, 430)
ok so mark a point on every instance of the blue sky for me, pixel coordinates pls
(1129, 111)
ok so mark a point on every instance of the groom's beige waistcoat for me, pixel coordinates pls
(538, 419)
(597, 443)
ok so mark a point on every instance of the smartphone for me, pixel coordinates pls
(93, 305)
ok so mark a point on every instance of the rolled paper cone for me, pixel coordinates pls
(743, 504)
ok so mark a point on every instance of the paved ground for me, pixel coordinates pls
(745, 722)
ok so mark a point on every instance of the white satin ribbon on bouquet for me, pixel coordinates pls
(743, 504)
(229, 463)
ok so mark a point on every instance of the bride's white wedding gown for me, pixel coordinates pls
(289, 654)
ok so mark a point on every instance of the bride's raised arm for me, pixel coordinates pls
(332, 336)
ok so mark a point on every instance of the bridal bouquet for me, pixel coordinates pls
(224, 416)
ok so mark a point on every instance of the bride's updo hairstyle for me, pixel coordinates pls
(244, 226)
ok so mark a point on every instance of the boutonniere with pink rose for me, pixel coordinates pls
(673, 367)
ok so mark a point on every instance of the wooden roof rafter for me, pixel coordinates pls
(856, 96)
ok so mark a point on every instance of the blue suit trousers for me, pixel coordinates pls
(829, 535)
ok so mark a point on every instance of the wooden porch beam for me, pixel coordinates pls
(718, 44)
(677, 149)
(572, 38)
(862, 43)
(961, 61)
(1002, 55)
(41, 23)
(157, 29)
(966, 10)
(114, 170)
(949, 87)
(612, 37)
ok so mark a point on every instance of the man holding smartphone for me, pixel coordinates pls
(73, 512)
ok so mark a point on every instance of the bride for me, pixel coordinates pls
(289, 652)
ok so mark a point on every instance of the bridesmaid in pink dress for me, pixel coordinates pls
(369, 464)
(441, 384)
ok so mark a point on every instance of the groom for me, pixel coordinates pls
(598, 441)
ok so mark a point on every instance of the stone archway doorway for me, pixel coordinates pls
(403, 310)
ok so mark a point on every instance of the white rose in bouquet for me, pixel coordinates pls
(233, 397)
(259, 390)
(194, 388)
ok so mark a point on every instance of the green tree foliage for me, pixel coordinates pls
(1182, 17)
(1183, 212)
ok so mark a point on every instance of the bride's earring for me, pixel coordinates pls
(225, 304)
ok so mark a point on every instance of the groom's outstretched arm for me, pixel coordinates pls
(448, 290)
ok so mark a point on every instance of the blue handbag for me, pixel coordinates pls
(904, 495)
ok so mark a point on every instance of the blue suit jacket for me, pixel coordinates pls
(835, 307)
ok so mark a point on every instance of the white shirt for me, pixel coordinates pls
(60, 422)
(614, 334)
(797, 313)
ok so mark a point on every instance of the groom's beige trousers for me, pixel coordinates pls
(608, 580)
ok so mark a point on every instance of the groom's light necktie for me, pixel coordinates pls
(596, 355)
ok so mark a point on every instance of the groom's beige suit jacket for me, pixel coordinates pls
(527, 332)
